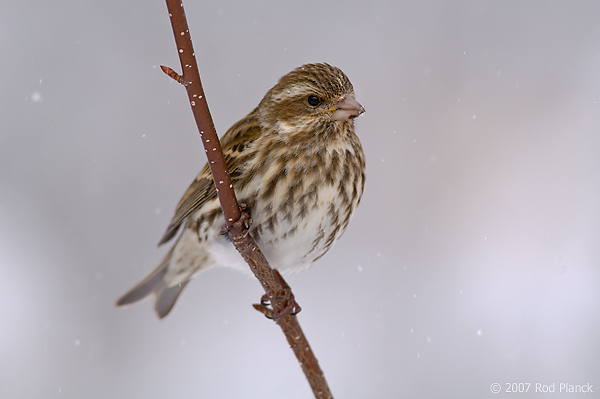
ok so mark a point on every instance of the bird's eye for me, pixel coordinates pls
(313, 101)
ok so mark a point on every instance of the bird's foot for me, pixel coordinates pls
(284, 298)
(245, 220)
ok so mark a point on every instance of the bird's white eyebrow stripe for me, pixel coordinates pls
(292, 91)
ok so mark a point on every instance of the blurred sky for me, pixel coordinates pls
(472, 260)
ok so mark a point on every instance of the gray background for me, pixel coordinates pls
(473, 258)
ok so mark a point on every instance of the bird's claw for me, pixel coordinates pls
(291, 306)
(245, 220)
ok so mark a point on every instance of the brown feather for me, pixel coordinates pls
(202, 189)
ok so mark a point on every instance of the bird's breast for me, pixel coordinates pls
(301, 205)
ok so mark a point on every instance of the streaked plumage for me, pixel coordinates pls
(298, 165)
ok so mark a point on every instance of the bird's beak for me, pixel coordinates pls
(347, 108)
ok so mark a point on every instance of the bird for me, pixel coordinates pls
(295, 162)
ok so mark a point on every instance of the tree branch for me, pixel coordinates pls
(278, 293)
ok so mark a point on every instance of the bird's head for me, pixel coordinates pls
(309, 97)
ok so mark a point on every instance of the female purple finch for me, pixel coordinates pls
(297, 164)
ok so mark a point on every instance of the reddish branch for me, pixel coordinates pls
(278, 293)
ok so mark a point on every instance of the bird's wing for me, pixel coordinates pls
(202, 189)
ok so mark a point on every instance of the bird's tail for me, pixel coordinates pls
(154, 283)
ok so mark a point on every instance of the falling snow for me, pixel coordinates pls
(36, 97)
